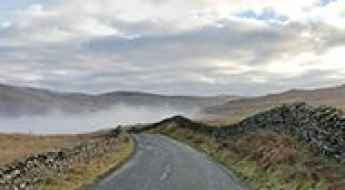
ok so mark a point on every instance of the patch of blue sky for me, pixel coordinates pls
(4, 18)
(8, 7)
(267, 14)
(326, 2)
(11, 5)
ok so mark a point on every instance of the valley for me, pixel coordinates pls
(280, 142)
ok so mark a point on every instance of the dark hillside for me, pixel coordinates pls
(18, 101)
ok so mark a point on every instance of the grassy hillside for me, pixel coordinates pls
(236, 110)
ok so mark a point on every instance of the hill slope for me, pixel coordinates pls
(16, 101)
(241, 108)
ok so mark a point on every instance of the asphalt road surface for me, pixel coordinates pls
(161, 163)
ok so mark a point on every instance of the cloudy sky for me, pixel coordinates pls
(194, 47)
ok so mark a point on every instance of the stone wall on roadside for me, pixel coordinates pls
(30, 172)
(322, 127)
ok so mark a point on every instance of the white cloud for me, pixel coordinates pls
(80, 19)
(296, 65)
(333, 60)
(170, 45)
(291, 66)
(229, 68)
(333, 14)
(93, 27)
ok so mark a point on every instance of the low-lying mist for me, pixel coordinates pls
(64, 123)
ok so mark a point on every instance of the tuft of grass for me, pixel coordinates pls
(82, 175)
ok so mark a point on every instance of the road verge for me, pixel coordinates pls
(81, 175)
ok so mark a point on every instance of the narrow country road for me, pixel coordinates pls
(161, 163)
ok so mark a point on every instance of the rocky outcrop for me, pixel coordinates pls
(321, 127)
(30, 172)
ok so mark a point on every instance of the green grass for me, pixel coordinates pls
(83, 174)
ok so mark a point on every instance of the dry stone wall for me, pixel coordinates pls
(322, 127)
(30, 172)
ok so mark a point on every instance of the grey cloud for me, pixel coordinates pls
(233, 41)
(170, 62)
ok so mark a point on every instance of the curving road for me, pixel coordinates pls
(161, 163)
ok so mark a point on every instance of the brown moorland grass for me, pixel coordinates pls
(14, 146)
(81, 175)
(267, 160)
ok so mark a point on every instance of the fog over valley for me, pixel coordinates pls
(33, 110)
(63, 123)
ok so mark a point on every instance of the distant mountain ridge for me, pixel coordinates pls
(17, 101)
(332, 96)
